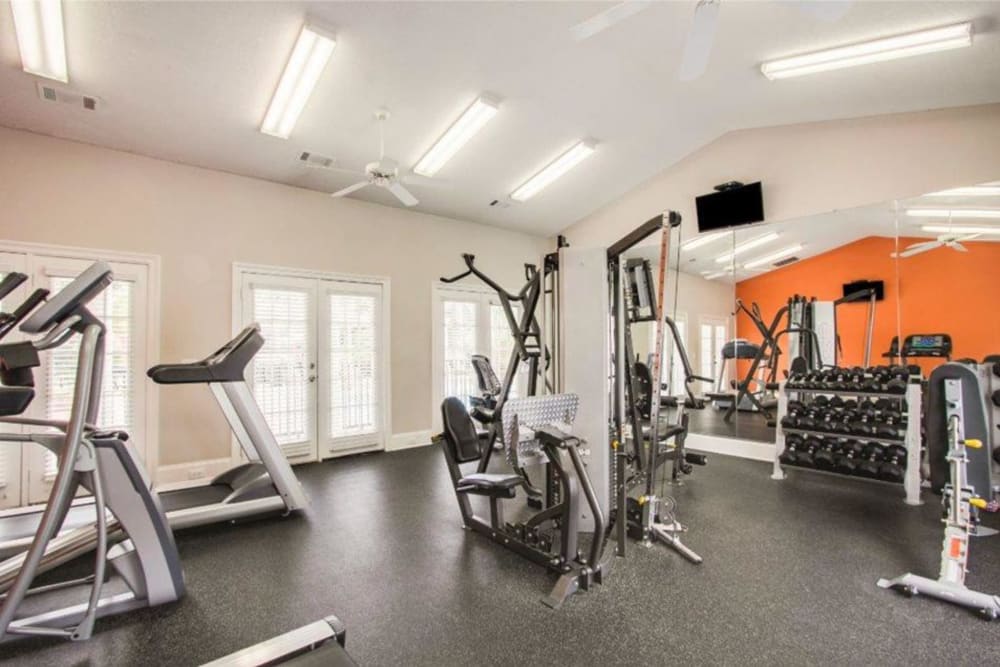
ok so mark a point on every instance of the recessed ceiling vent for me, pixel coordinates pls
(52, 93)
(316, 160)
(786, 261)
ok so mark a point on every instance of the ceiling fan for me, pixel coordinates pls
(701, 33)
(384, 172)
(953, 241)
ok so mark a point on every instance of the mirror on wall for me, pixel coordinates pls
(820, 289)
(949, 268)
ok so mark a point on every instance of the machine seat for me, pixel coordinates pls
(490, 484)
(15, 400)
(483, 415)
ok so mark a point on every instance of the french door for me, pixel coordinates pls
(27, 471)
(320, 377)
(468, 322)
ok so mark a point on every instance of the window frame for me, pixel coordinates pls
(148, 340)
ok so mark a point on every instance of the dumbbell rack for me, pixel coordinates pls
(912, 440)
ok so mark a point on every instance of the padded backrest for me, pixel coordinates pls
(460, 435)
(974, 424)
(489, 383)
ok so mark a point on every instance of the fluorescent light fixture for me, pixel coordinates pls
(557, 168)
(984, 190)
(887, 48)
(311, 53)
(960, 229)
(703, 239)
(40, 39)
(463, 129)
(746, 245)
(716, 274)
(773, 257)
(953, 213)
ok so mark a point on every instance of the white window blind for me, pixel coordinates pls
(460, 333)
(353, 381)
(115, 307)
(281, 368)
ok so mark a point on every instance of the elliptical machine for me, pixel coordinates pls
(146, 564)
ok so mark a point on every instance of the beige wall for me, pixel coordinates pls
(817, 167)
(200, 222)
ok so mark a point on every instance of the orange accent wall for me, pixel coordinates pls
(941, 291)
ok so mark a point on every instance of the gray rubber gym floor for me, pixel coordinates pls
(788, 578)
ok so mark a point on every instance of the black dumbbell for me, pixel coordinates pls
(821, 401)
(996, 395)
(825, 457)
(847, 461)
(789, 422)
(894, 467)
(890, 431)
(870, 461)
(809, 448)
(792, 444)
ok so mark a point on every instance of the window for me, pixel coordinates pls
(461, 341)
(27, 471)
(319, 377)
(469, 322)
(115, 308)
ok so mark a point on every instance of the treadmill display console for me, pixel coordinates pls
(927, 345)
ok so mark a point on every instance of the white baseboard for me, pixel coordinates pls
(747, 449)
(195, 473)
(407, 440)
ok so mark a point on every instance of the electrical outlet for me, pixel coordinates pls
(196, 473)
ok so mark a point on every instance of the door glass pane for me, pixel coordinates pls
(281, 368)
(115, 308)
(354, 390)
(459, 334)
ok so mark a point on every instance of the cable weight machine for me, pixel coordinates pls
(529, 348)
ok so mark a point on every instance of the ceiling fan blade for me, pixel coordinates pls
(701, 34)
(402, 194)
(606, 19)
(955, 245)
(349, 189)
(918, 248)
(826, 10)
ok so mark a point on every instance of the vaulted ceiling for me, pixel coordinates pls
(190, 81)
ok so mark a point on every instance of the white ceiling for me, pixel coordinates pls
(190, 82)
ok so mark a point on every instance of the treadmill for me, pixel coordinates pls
(264, 484)
(319, 643)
